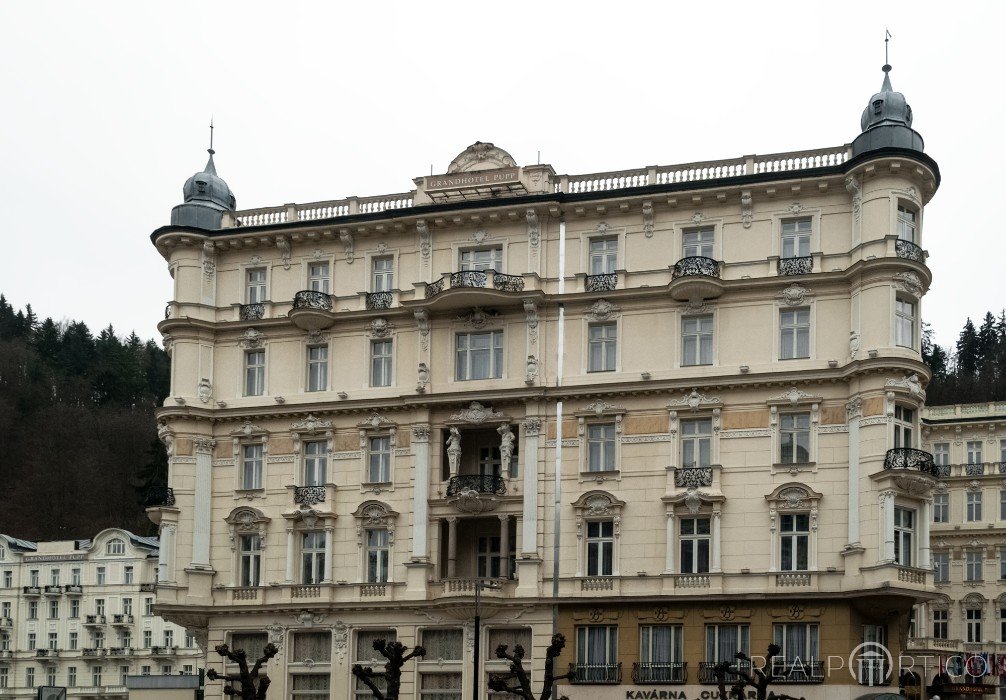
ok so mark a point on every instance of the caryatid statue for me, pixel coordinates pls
(506, 446)
(454, 450)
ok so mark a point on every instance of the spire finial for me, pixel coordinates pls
(211, 137)
(887, 62)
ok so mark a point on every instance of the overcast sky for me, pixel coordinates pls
(105, 107)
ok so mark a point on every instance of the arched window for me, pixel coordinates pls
(116, 546)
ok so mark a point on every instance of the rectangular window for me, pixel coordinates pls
(33, 578)
(73, 641)
(481, 260)
(367, 656)
(489, 558)
(697, 340)
(973, 511)
(29, 677)
(601, 447)
(602, 341)
(251, 560)
(941, 454)
(906, 224)
(313, 556)
(53, 609)
(317, 368)
(794, 438)
(71, 676)
(379, 460)
(479, 356)
(54, 577)
(127, 606)
(4, 677)
(317, 277)
(251, 642)
(380, 363)
(723, 642)
(698, 243)
(169, 638)
(8, 579)
(696, 442)
(974, 451)
(904, 536)
(251, 466)
(309, 686)
(973, 565)
(597, 654)
(255, 286)
(941, 567)
(904, 426)
(794, 540)
(50, 676)
(800, 651)
(383, 274)
(75, 577)
(603, 256)
(100, 576)
(148, 639)
(96, 675)
(600, 547)
(796, 238)
(32, 641)
(904, 331)
(32, 609)
(378, 555)
(694, 545)
(660, 654)
(941, 508)
(1002, 563)
(255, 373)
(794, 333)
(973, 625)
(446, 646)
(315, 463)
(1002, 504)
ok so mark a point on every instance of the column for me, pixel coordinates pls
(714, 565)
(887, 529)
(326, 576)
(853, 411)
(421, 492)
(452, 546)
(529, 534)
(925, 516)
(201, 506)
(165, 562)
(669, 555)
(504, 546)
(773, 550)
(290, 547)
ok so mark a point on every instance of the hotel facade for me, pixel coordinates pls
(671, 411)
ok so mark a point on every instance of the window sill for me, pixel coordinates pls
(793, 468)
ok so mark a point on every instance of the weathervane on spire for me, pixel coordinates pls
(211, 137)
(887, 38)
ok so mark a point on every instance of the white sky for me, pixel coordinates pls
(105, 107)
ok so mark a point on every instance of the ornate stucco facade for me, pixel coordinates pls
(80, 614)
(706, 376)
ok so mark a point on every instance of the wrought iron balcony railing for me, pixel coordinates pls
(508, 283)
(309, 495)
(54, 590)
(797, 671)
(434, 288)
(311, 299)
(468, 278)
(707, 671)
(251, 312)
(601, 283)
(92, 652)
(122, 619)
(974, 469)
(75, 589)
(162, 651)
(480, 483)
(909, 251)
(379, 300)
(941, 471)
(595, 674)
(696, 265)
(796, 266)
(148, 587)
(94, 620)
(47, 653)
(655, 672)
(693, 476)
(910, 458)
(160, 496)
(33, 590)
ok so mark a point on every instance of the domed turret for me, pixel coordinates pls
(207, 196)
(887, 122)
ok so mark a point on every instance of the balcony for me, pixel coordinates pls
(465, 587)
(912, 459)
(696, 277)
(47, 653)
(119, 652)
(6, 654)
(94, 620)
(974, 470)
(90, 651)
(707, 671)
(797, 671)
(148, 587)
(595, 674)
(74, 589)
(160, 497)
(251, 312)
(600, 283)
(122, 620)
(6, 622)
(909, 251)
(655, 673)
(33, 590)
(54, 590)
(473, 288)
(688, 477)
(478, 483)
(163, 651)
(377, 301)
(308, 495)
(312, 310)
(795, 266)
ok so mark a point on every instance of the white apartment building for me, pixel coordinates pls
(80, 614)
(678, 404)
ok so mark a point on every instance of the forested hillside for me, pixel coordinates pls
(972, 372)
(78, 440)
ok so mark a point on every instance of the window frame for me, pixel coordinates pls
(905, 540)
(317, 374)
(583, 652)
(384, 362)
(941, 567)
(696, 337)
(250, 560)
(795, 328)
(904, 428)
(254, 375)
(904, 223)
(606, 445)
(607, 344)
(973, 502)
(259, 471)
(974, 565)
(380, 278)
(496, 258)
(696, 539)
(795, 431)
(318, 282)
(797, 236)
(386, 459)
(604, 557)
(315, 466)
(941, 507)
(463, 371)
(377, 565)
(701, 248)
(906, 320)
(253, 289)
(314, 557)
(607, 257)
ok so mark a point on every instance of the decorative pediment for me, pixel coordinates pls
(694, 401)
(793, 397)
(246, 520)
(602, 310)
(793, 496)
(973, 601)
(693, 499)
(910, 384)
(794, 295)
(311, 426)
(598, 505)
(600, 408)
(477, 413)
(376, 421)
(248, 429)
(371, 515)
(252, 339)
(479, 318)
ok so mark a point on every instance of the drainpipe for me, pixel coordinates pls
(557, 506)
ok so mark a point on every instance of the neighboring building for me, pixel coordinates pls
(968, 537)
(370, 398)
(79, 613)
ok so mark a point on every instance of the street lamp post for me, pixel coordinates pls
(480, 584)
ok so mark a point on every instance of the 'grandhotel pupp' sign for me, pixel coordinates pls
(475, 178)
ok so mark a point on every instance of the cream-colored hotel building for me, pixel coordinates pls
(677, 407)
